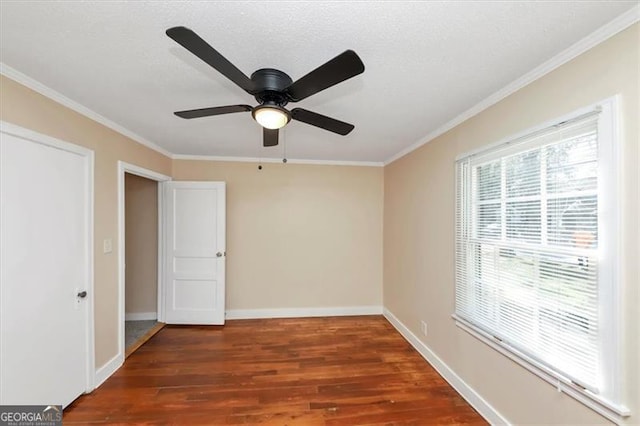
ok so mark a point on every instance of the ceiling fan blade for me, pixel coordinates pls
(269, 137)
(322, 121)
(337, 70)
(196, 45)
(206, 112)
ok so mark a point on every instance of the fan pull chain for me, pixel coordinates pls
(260, 158)
(284, 147)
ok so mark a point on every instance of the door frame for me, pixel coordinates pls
(124, 167)
(88, 154)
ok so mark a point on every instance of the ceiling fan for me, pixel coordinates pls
(273, 89)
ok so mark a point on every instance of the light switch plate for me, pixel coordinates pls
(107, 246)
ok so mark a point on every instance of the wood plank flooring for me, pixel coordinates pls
(304, 371)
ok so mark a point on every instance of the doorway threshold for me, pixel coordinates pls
(143, 339)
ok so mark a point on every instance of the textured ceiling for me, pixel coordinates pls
(426, 63)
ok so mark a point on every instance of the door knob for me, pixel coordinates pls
(219, 254)
(82, 294)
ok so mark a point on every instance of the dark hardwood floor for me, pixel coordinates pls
(303, 371)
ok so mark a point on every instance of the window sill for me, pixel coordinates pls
(614, 412)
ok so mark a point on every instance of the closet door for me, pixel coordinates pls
(45, 274)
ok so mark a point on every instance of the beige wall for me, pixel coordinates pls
(419, 231)
(299, 235)
(141, 244)
(24, 107)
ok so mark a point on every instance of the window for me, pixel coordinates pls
(535, 253)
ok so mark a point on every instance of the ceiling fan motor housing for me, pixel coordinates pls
(270, 85)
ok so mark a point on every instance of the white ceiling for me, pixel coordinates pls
(426, 63)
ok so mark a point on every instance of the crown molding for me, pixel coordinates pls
(277, 160)
(35, 85)
(608, 30)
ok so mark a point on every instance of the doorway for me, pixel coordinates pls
(140, 219)
(190, 250)
(141, 261)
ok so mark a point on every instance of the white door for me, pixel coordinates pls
(45, 235)
(194, 252)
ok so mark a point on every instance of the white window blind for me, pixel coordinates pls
(527, 249)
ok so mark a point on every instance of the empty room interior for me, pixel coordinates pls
(320, 213)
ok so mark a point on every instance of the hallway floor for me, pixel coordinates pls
(134, 330)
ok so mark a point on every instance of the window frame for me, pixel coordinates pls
(608, 402)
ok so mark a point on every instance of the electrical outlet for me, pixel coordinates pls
(423, 327)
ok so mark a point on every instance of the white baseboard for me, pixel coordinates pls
(467, 392)
(232, 314)
(141, 316)
(104, 372)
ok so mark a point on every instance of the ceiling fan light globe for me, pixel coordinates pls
(271, 117)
